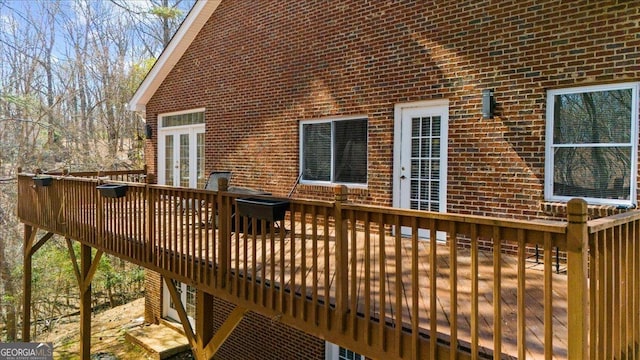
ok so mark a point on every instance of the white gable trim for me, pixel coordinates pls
(182, 39)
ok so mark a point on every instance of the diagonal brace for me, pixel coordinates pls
(84, 280)
(224, 331)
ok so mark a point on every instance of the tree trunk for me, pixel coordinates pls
(9, 289)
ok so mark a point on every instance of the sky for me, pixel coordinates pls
(34, 13)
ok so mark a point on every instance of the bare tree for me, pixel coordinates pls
(67, 69)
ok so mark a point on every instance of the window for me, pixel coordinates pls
(335, 352)
(183, 118)
(334, 151)
(591, 149)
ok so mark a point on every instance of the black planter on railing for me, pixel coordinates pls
(42, 180)
(265, 209)
(113, 190)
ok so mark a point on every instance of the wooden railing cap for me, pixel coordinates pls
(577, 211)
(341, 193)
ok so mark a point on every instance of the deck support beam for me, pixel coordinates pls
(204, 315)
(84, 274)
(204, 342)
(30, 248)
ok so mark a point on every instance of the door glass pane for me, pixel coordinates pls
(178, 286)
(191, 302)
(425, 171)
(346, 354)
(184, 160)
(168, 162)
(200, 160)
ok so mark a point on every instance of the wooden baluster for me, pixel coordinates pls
(353, 277)
(415, 290)
(326, 267)
(453, 281)
(497, 293)
(474, 292)
(382, 299)
(397, 301)
(548, 297)
(342, 258)
(433, 297)
(367, 278)
(521, 303)
(224, 234)
(314, 265)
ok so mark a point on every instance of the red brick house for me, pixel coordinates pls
(499, 108)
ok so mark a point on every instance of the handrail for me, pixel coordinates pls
(130, 175)
(613, 221)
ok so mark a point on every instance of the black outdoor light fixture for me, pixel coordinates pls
(488, 104)
(148, 131)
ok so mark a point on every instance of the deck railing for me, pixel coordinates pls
(364, 277)
(614, 282)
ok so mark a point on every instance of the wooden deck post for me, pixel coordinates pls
(84, 274)
(29, 235)
(30, 248)
(224, 234)
(342, 258)
(85, 303)
(577, 279)
(204, 318)
(224, 212)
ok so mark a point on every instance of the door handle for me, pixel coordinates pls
(403, 177)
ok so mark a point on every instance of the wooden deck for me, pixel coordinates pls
(255, 257)
(342, 272)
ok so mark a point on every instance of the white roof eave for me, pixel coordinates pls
(180, 42)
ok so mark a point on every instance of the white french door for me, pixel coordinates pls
(421, 159)
(187, 297)
(181, 156)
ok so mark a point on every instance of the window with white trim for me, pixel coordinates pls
(335, 352)
(334, 151)
(592, 144)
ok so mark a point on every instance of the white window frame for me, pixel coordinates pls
(330, 120)
(332, 352)
(550, 146)
(181, 112)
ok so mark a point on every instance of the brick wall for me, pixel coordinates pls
(153, 297)
(261, 67)
(259, 337)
